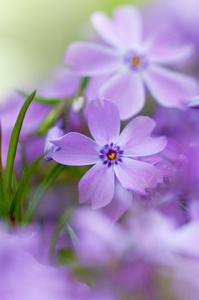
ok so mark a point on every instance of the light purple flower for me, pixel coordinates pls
(24, 277)
(95, 232)
(49, 148)
(132, 63)
(61, 84)
(114, 155)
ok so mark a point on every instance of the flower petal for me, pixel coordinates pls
(121, 201)
(88, 59)
(126, 90)
(97, 186)
(53, 133)
(165, 52)
(103, 121)
(136, 175)
(62, 84)
(148, 146)
(135, 138)
(76, 149)
(126, 23)
(129, 20)
(170, 88)
(138, 128)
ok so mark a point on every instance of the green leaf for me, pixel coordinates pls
(13, 145)
(17, 198)
(2, 190)
(72, 234)
(1, 166)
(60, 225)
(65, 256)
(47, 101)
(52, 117)
(14, 180)
(45, 184)
(84, 83)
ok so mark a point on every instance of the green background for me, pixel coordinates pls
(35, 33)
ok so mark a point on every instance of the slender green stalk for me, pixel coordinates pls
(45, 184)
(60, 225)
(13, 147)
(18, 196)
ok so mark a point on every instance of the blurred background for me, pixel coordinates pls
(35, 33)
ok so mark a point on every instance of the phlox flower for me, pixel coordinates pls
(52, 133)
(24, 277)
(132, 63)
(115, 157)
(95, 232)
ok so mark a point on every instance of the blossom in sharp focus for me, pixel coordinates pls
(132, 63)
(113, 155)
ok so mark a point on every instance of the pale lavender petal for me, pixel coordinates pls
(136, 175)
(93, 85)
(121, 202)
(61, 84)
(135, 138)
(137, 129)
(194, 103)
(53, 133)
(97, 186)
(106, 28)
(163, 52)
(126, 90)
(88, 59)
(148, 146)
(129, 20)
(103, 121)
(170, 88)
(123, 31)
(76, 149)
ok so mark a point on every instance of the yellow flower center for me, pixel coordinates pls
(136, 61)
(111, 155)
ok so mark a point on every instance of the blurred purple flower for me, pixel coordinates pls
(62, 83)
(114, 155)
(132, 63)
(23, 277)
(194, 103)
(9, 111)
(95, 232)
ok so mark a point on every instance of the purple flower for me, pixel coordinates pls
(94, 232)
(49, 148)
(132, 63)
(24, 277)
(114, 155)
(61, 84)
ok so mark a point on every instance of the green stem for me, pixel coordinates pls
(45, 184)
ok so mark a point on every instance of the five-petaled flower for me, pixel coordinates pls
(130, 63)
(116, 157)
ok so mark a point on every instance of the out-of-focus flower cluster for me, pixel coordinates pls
(126, 104)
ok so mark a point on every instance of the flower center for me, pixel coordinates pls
(135, 61)
(111, 154)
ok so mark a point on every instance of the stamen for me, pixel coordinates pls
(111, 154)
